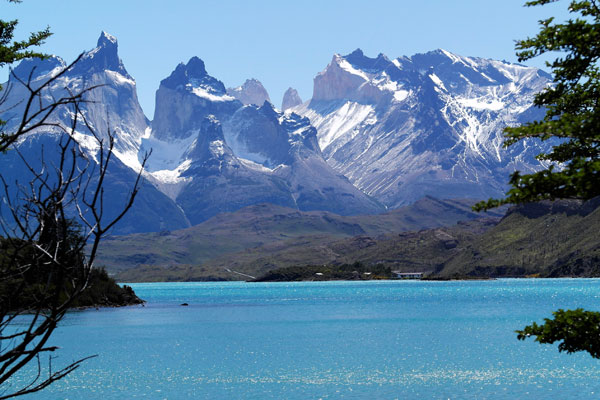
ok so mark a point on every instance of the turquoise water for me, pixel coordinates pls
(330, 340)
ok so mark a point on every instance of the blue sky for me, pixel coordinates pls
(281, 43)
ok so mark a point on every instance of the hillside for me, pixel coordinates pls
(557, 239)
(543, 239)
(229, 240)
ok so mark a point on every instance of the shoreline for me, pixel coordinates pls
(371, 280)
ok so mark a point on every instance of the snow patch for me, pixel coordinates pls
(217, 147)
(109, 37)
(87, 142)
(437, 81)
(481, 104)
(205, 94)
(240, 149)
(166, 155)
(129, 158)
(119, 79)
(342, 122)
(346, 66)
(172, 175)
(255, 166)
(400, 95)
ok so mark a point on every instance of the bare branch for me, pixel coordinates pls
(46, 223)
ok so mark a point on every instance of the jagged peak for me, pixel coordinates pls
(252, 81)
(195, 68)
(102, 58)
(359, 61)
(357, 53)
(269, 109)
(193, 73)
(249, 83)
(291, 98)
(251, 91)
(106, 39)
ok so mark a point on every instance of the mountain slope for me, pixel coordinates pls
(553, 239)
(243, 237)
(426, 125)
(545, 239)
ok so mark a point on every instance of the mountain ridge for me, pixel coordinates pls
(430, 124)
(395, 129)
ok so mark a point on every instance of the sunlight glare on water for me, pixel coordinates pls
(329, 340)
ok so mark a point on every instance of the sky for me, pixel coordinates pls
(281, 43)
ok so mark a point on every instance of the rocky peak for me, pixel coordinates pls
(339, 81)
(372, 65)
(356, 78)
(251, 92)
(195, 68)
(291, 98)
(106, 40)
(210, 143)
(193, 74)
(104, 57)
(186, 97)
(268, 110)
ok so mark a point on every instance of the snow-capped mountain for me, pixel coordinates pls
(430, 124)
(251, 92)
(210, 152)
(113, 105)
(391, 130)
(291, 98)
(213, 154)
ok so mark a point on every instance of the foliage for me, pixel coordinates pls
(28, 288)
(572, 110)
(573, 117)
(579, 330)
(354, 271)
(12, 50)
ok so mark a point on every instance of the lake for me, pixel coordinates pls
(328, 340)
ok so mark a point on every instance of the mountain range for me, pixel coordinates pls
(377, 134)
(430, 124)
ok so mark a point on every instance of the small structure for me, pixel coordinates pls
(408, 275)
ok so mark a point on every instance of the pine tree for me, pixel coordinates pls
(572, 106)
(572, 110)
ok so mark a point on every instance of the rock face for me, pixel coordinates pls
(212, 154)
(185, 98)
(430, 124)
(251, 92)
(111, 105)
(291, 98)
